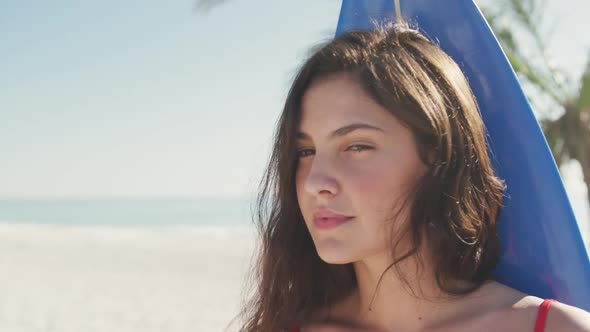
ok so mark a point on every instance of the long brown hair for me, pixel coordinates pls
(454, 206)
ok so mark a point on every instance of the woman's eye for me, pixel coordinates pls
(304, 153)
(359, 148)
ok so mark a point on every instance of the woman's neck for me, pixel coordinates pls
(410, 302)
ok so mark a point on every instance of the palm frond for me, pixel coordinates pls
(204, 6)
(522, 66)
(528, 15)
(583, 103)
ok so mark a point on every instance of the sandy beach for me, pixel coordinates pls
(97, 278)
(100, 278)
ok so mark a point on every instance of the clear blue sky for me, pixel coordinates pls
(151, 98)
(130, 98)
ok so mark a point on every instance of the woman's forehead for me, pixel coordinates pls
(338, 100)
(334, 90)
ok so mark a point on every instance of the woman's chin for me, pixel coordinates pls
(335, 251)
(336, 260)
(335, 257)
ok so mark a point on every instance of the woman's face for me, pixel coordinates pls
(355, 159)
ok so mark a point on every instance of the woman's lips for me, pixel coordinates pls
(331, 222)
(324, 218)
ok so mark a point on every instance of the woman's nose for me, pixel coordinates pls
(320, 179)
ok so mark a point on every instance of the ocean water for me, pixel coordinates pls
(209, 212)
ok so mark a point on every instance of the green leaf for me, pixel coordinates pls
(584, 96)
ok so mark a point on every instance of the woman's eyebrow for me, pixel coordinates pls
(342, 131)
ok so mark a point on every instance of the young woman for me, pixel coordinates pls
(378, 208)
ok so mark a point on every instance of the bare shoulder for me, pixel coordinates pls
(512, 310)
(563, 317)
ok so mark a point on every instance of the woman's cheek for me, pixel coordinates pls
(371, 177)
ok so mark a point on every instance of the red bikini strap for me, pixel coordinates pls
(542, 315)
